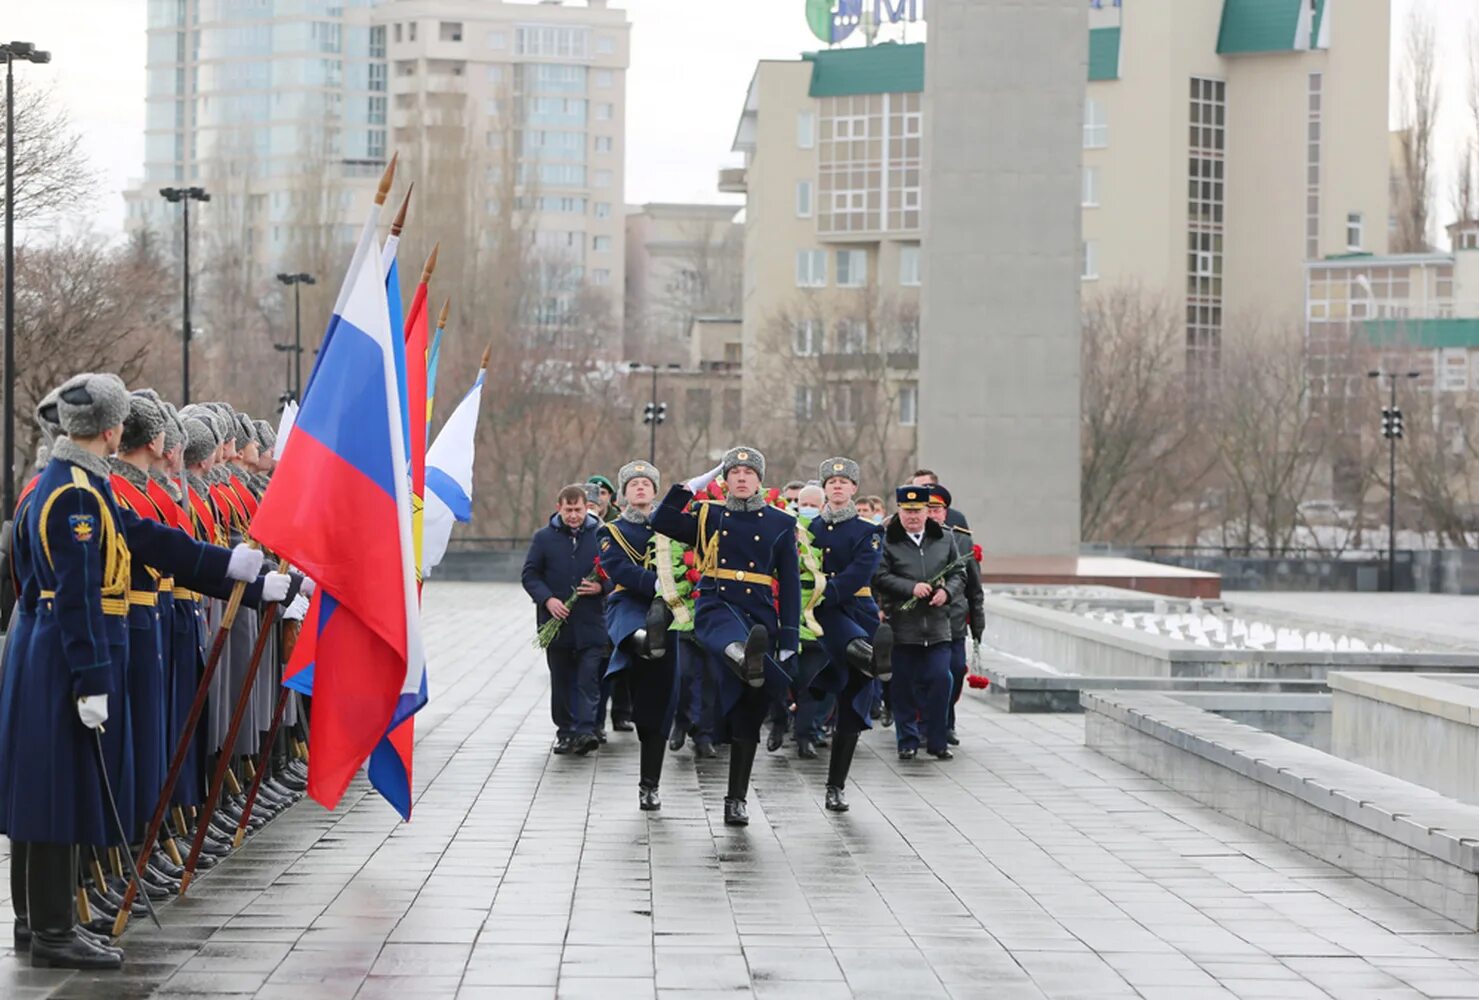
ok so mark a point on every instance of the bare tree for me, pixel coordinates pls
(705, 280)
(1143, 465)
(1438, 459)
(52, 175)
(1419, 98)
(1466, 175)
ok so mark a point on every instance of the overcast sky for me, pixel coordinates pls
(690, 67)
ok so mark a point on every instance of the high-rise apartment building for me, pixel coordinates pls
(1225, 143)
(288, 112)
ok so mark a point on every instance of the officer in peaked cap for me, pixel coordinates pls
(858, 646)
(747, 557)
(635, 623)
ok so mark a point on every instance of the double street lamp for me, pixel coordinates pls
(1391, 429)
(26, 52)
(296, 282)
(654, 413)
(184, 196)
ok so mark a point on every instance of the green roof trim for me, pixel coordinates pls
(1258, 26)
(1104, 54)
(890, 68)
(1421, 333)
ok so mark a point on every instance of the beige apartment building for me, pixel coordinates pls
(1226, 142)
(683, 261)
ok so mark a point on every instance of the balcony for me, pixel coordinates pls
(732, 180)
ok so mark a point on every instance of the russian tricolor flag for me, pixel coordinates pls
(339, 508)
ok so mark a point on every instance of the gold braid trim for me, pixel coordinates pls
(640, 559)
(706, 546)
(666, 582)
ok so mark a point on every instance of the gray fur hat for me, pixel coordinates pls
(637, 470)
(92, 402)
(266, 436)
(174, 431)
(200, 439)
(47, 417)
(208, 415)
(750, 458)
(245, 430)
(145, 420)
(834, 467)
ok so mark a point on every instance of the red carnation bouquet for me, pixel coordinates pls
(551, 628)
(977, 553)
(978, 681)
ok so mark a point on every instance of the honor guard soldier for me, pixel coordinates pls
(636, 625)
(677, 585)
(749, 601)
(858, 645)
(81, 547)
(967, 609)
(919, 575)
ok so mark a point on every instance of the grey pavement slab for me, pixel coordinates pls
(1028, 867)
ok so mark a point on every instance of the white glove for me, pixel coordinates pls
(308, 587)
(786, 654)
(702, 482)
(275, 586)
(298, 610)
(246, 563)
(93, 710)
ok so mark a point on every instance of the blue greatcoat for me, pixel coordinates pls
(753, 543)
(623, 549)
(22, 620)
(851, 549)
(80, 547)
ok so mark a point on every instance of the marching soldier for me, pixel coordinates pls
(747, 558)
(858, 645)
(636, 625)
(919, 575)
(967, 609)
(677, 578)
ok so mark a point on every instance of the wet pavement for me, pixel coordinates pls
(1027, 867)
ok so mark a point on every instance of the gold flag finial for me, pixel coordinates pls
(431, 263)
(400, 217)
(487, 353)
(442, 319)
(386, 179)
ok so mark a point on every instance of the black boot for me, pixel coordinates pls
(741, 761)
(747, 659)
(55, 943)
(873, 658)
(678, 738)
(844, 745)
(777, 737)
(650, 771)
(659, 617)
(18, 895)
(704, 747)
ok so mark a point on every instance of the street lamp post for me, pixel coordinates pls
(654, 412)
(28, 52)
(185, 196)
(297, 281)
(1391, 429)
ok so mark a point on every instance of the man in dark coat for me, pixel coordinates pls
(918, 578)
(967, 610)
(562, 562)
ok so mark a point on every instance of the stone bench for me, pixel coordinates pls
(1411, 841)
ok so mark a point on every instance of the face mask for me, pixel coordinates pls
(808, 512)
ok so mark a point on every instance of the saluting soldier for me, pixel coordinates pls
(858, 645)
(636, 625)
(747, 557)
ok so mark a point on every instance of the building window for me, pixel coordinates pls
(1090, 260)
(1091, 187)
(811, 269)
(806, 130)
(497, 40)
(411, 30)
(1354, 229)
(603, 209)
(550, 40)
(852, 268)
(601, 244)
(808, 339)
(908, 405)
(377, 42)
(451, 31)
(603, 112)
(398, 32)
(803, 199)
(1453, 369)
(1313, 154)
(604, 78)
(603, 143)
(602, 179)
(805, 402)
(600, 276)
(605, 45)
(733, 409)
(852, 336)
(1206, 199)
(908, 337)
(909, 266)
(1096, 125)
(843, 409)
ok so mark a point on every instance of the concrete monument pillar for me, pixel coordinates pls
(999, 344)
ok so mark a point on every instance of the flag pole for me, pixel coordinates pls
(223, 759)
(264, 760)
(182, 750)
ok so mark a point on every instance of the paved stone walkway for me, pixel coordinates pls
(1028, 867)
